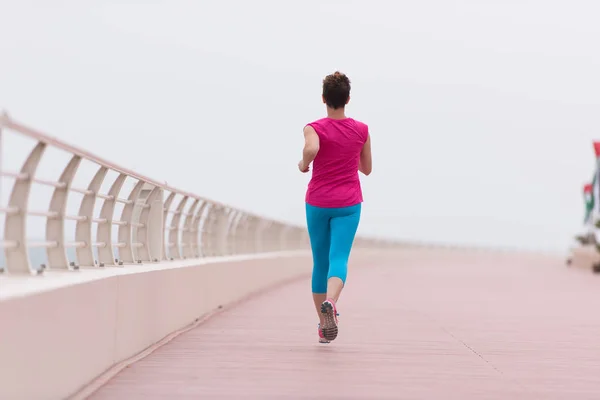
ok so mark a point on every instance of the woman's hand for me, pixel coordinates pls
(303, 168)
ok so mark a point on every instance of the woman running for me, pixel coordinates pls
(338, 147)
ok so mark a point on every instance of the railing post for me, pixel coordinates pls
(275, 243)
(126, 231)
(267, 235)
(283, 241)
(236, 232)
(196, 237)
(187, 241)
(231, 235)
(175, 230)
(106, 254)
(251, 234)
(55, 229)
(260, 235)
(208, 235)
(305, 239)
(248, 234)
(156, 225)
(297, 237)
(150, 194)
(140, 254)
(221, 231)
(83, 227)
(166, 208)
(15, 229)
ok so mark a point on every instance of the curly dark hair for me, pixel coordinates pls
(336, 90)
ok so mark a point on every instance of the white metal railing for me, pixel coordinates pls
(150, 222)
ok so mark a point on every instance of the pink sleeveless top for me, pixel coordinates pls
(335, 181)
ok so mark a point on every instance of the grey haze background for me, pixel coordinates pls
(482, 113)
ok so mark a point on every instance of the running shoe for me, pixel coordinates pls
(321, 337)
(330, 326)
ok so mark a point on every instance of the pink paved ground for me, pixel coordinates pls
(424, 325)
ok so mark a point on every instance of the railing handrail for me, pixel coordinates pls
(8, 122)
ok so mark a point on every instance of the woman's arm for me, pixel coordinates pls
(311, 148)
(366, 163)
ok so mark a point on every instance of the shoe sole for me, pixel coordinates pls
(330, 328)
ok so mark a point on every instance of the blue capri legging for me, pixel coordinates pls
(331, 232)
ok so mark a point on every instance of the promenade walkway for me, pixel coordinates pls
(415, 324)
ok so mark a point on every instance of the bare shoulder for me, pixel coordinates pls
(309, 130)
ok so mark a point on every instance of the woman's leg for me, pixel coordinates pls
(343, 228)
(319, 232)
(343, 231)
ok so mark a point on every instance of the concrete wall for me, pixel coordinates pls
(58, 333)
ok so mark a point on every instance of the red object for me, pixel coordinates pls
(597, 148)
(587, 188)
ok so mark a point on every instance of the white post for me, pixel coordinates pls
(15, 226)
(156, 227)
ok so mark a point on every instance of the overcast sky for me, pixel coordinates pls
(481, 112)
